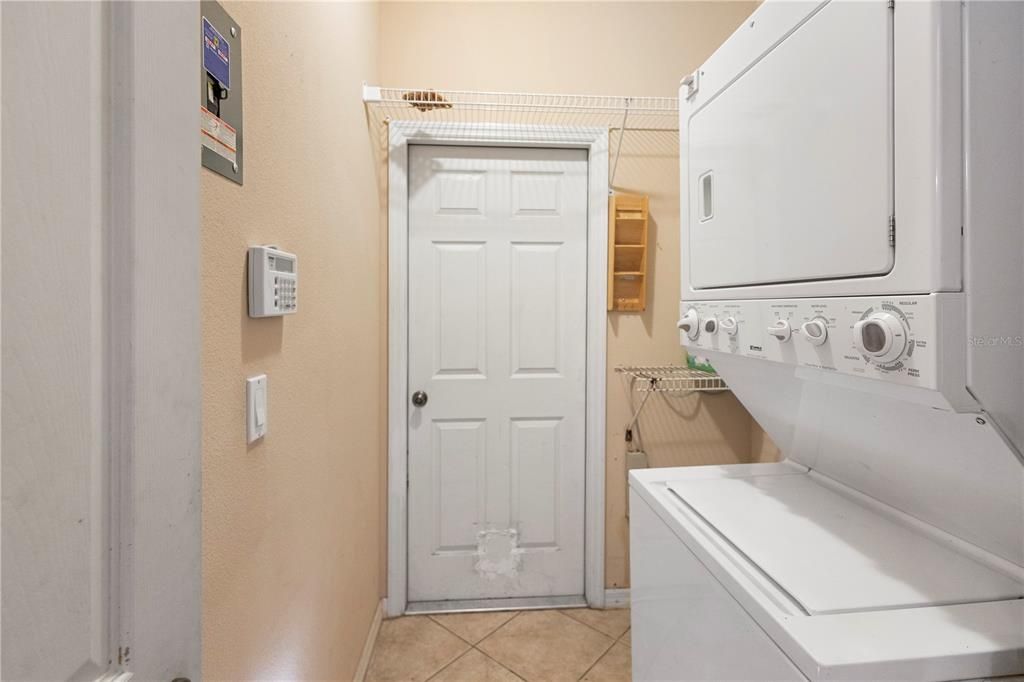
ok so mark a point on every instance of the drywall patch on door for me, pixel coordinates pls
(498, 553)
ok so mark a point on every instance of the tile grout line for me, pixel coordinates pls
(575, 620)
(455, 613)
(472, 647)
(516, 614)
(496, 661)
(491, 634)
(443, 667)
(430, 617)
(449, 663)
(599, 659)
(496, 630)
(448, 629)
(612, 640)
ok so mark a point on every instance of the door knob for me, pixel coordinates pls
(419, 398)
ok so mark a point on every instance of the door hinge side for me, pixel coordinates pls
(892, 230)
(892, 4)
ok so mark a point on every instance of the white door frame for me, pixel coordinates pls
(595, 140)
(157, 383)
(138, 167)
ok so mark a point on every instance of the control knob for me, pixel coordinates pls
(781, 330)
(729, 326)
(815, 331)
(690, 324)
(881, 337)
(711, 326)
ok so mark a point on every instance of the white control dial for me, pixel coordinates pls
(815, 331)
(711, 326)
(881, 337)
(729, 326)
(781, 330)
(690, 324)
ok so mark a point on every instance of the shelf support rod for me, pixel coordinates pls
(618, 147)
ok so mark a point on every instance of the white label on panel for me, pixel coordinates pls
(216, 135)
(458, 462)
(460, 315)
(536, 318)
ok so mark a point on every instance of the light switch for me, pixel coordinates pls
(256, 407)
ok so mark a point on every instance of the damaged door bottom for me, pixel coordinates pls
(507, 604)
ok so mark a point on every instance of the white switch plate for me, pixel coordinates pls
(256, 407)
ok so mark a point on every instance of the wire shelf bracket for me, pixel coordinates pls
(671, 379)
(619, 114)
(649, 380)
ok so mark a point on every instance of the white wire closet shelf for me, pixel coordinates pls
(423, 104)
(617, 113)
(671, 379)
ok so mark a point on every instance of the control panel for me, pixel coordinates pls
(273, 282)
(893, 338)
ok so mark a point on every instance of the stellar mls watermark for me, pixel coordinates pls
(995, 341)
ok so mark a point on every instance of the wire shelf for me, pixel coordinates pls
(620, 114)
(672, 379)
(419, 104)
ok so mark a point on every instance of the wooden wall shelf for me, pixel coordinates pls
(627, 252)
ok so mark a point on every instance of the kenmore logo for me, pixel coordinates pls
(757, 348)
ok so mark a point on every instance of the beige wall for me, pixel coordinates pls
(292, 525)
(598, 48)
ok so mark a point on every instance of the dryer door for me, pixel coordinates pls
(790, 166)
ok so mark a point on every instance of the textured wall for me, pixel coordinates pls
(634, 48)
(292, 524)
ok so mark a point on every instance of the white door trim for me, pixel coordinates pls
(136, 194)
(595, 140)
(156, 397)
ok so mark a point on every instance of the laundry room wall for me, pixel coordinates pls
(291, 525)
(629, 48)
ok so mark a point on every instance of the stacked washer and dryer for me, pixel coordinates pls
(853, 266)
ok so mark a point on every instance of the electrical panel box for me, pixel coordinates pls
(273, 282)
(220, 91)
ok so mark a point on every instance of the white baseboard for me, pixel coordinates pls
(616, 598)
(371, 640)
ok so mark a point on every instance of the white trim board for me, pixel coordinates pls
(616, 598)
(155, 255)
(595, 141)
(370, 643)
(116, 190)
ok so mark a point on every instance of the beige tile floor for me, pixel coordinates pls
(504, 646)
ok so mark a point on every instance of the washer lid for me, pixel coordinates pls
(834, 555)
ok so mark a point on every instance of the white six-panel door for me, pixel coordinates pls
(497, 342)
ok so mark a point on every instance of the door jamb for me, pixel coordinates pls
(402, 134)
(137, 204)
(155, 346)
